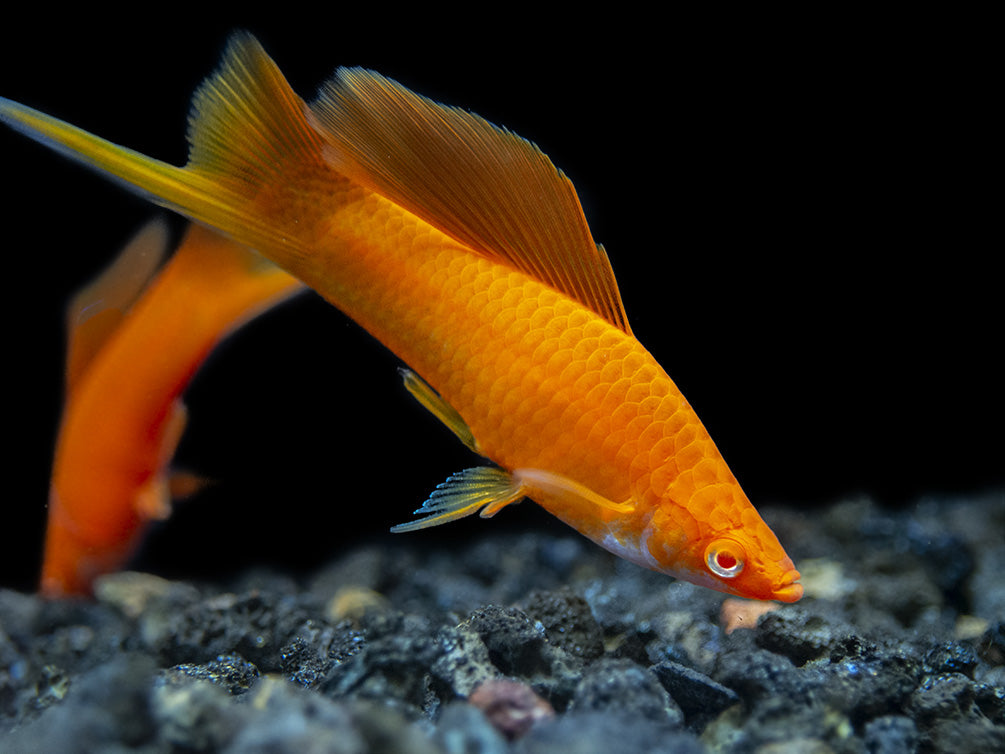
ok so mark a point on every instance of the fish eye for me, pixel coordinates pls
(724, 558)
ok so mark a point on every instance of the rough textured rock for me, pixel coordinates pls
(533, 644)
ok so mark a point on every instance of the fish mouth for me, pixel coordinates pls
(790, 590)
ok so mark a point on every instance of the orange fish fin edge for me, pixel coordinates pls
(482, 185)
(247, 131)
(246, 123)
(434, 403)
(482, 488)
(96, 310)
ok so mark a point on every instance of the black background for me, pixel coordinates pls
(798, 211)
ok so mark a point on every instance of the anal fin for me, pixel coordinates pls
(487, 490)
(483, 488)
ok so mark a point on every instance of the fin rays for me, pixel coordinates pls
(434, 403)
(483, 185)
(482, 488)
(246, 120)
(250, 135)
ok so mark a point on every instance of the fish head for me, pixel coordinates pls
(727, 547)
(735, 563)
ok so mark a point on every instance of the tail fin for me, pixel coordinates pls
(247, 129)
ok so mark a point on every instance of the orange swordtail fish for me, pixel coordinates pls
(463, 249)
(137, 335)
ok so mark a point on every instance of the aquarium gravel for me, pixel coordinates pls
(534, 643)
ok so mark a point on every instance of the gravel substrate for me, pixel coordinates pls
(535, 643)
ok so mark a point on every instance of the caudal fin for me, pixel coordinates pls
(247, 132)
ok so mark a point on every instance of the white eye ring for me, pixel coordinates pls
(724, 551)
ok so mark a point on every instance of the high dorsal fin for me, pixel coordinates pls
(482, 185)
(96, 310)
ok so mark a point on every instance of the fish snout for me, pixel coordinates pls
(789, 590)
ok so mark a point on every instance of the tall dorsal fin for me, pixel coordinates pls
(97, 309)
(480, 184)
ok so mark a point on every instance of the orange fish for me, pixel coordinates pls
(466, 252)
(137, 335)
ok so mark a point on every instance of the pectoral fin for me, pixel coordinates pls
(483, 488)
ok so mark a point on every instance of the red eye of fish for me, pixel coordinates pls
(725, 558)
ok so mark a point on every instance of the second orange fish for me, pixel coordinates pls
(137, 335)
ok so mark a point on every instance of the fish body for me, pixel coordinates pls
(137, 336)
(464, 251)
